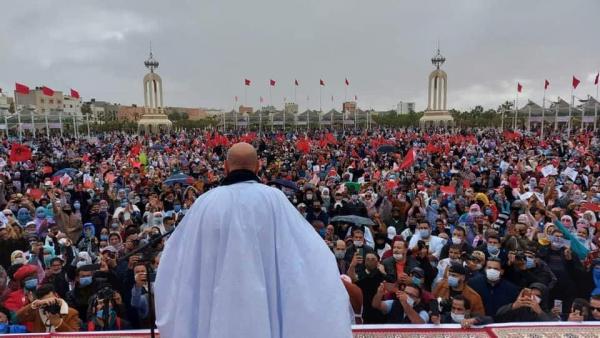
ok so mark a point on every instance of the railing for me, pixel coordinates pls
(509, 330)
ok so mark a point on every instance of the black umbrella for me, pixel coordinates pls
(353, 219)
(387, 149)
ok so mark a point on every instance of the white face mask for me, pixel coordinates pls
(537, 299)
(358, 244)
(456, 240)
(410, 301)
(492, 274)
(398, 257)
(457, 318)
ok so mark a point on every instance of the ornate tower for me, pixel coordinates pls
(154, 119)
(437, 112)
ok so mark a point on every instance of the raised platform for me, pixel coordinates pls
(511, 330)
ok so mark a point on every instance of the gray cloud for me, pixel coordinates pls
(207, 48)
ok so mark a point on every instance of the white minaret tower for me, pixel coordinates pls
(154, 119)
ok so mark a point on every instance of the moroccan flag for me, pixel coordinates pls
(321, 82)
(303, 146)
(246, 82)
(431, 148)
(35, 193)
(546, 84)
(74, 93)
(272, 82)
(596, 80)
(409, 160)
(347, 82)
(296, 82)
(575, 82)
(448, 190)
(19, 153)
(519, 87)
(21, 88)
(47, 91)
(135, 149)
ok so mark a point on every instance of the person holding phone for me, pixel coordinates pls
(530, 306)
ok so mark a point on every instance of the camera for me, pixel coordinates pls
(53, 308)
(106, 293)
(520, 256)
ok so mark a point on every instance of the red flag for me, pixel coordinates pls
(596, 80)
(21, 88)
(321, 82)
(409, 160)
(519, 87)
(303, 146)
(431, 148)
(74, 93)
(296, 82)
(135, 150)
(448, 190)
(246, 82)
(65, 180)
(272, 82)
(575, 82)
(546, 84)
(347, 82)
(35, 193)
(19, 153)
(47, 91)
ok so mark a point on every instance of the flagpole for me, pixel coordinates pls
(60, 123)
(332, 112)
(529, 119)
(516, 112)
(32, 124)
(570, 112)
(307, 112)
(556, 116)
(270, 96)
(20, 129)
(502, 119)
(260, 121)
(47, 127)
(355, 109)
(543, 114)
(74, 127)
(88, 126)
(6, 124)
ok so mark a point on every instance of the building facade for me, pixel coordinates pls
(40, 102)
(405, 108)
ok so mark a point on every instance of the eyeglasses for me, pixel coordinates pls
(595, 308)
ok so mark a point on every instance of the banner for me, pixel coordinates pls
(27, 126)
(3, 127)
(562, 119)
(55, 125)
(589, 119)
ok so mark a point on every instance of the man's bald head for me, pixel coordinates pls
(241, 156)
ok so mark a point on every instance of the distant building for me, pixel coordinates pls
(349, 107)
(193, 114)
(39, 102)
(71, 106)
(405, 108)
(105, 111)
(5, 102)
(291, 108)
(245, 110)
(130, 114)
(213, 112)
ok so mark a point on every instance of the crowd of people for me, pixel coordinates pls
(427, 226)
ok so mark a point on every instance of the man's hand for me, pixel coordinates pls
(534, 306)
(402, 297)
(132, 261)
(568, 254)
(468, 323)
(356, 260)
(141, 279)
(404, 278)
(381, 268)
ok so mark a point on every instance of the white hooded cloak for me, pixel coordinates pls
(243, 262)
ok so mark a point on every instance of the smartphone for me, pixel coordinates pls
(434, 307)
(558, 304)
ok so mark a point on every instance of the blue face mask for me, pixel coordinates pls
(452, 281)
(492, 249)
(529, 263)
(104, 237)
(123, 204)
(416, 281)
(177, 207)
(31, 284)
(85, 281)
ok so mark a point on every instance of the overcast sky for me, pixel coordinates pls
(384, 47)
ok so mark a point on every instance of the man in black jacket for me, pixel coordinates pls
(8, 245)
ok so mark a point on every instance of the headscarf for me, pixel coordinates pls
(23, 216)
(14, 260)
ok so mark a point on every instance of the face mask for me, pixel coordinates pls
(31, 284)
(424, 233)
(537, 299)
(398, 257)
(410, 301)
(456, 240)
(529, 263)
(339, 254)
(123, 204)
(309, 196)
(478, 267)
(416, 281)
(354, 198)
(492, 274)
(111, 313)
(177, 207)
(492, 249)
(85, 281)
(435, 206)
(104, 237)
(358, 244)
(581, 239)
(47, 259)
(114, 225)
(457, 318)
(157, 221)
(453, 281)
(77, 206)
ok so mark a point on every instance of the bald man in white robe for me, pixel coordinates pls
(243, 262)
